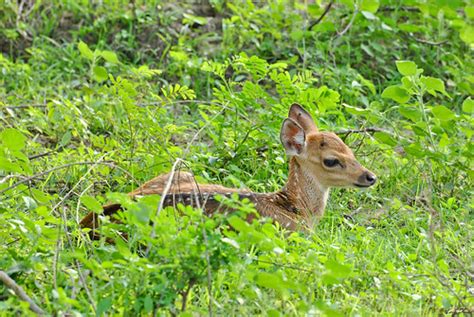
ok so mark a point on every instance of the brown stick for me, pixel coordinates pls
(429, 42)
(318, 20)
(18, 290)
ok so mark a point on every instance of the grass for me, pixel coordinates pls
(81, 124)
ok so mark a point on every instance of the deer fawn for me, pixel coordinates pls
(318, 161)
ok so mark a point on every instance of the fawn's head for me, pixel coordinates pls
(322, 154)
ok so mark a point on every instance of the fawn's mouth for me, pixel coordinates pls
(362, 185)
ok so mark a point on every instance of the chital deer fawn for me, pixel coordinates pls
(318, 161)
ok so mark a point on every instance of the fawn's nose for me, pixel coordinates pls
(370, 178)
(367, 179)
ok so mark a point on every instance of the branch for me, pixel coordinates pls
(328, 7)
(407, 9)
(25, 106)
(365, 130)
(18, 290)
(429, 42)
(348, 26)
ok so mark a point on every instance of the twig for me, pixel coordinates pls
(408, 9)
(348, 26)
(429, 42)
(321, 17)
(162, 201)
(185, 293)
(18, 290)
(365, 130)
(25, 106)
(41, 155)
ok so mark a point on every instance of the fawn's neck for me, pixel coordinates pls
(303, 198)
(306, 191)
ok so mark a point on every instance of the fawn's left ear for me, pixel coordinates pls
(292, 137)
(303, 118)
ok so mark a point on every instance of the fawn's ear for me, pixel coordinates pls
(303, 118)
(292, 137)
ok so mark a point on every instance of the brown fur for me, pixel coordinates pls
(295, 206)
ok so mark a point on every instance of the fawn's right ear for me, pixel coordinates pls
(292, 137)
(303, 118)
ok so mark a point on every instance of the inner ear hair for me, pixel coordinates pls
(292, 136)
(302, 117)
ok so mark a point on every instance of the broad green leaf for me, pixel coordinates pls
(415, 150)
(237, 223)
(337, 269)
(433, 85)
(369, 5)
(192, 19)
(100, 73)
(397, 93)
(386, 138)
(442, 113)
(469, 12)
(66, 138)
(270, 281)
(406, 68)
(410, 112)
(368, 15)
(468, 105)
(467, 34)
(85, 50)
(103, 306)
(13, 139)
(91, 203)
(110, 57)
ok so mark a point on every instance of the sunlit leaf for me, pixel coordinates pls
(13, 139)
(406, 68)
(443, 113)
(397, 93)
(85, 50)
(100, 73)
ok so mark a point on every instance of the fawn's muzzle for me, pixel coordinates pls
(367, 179)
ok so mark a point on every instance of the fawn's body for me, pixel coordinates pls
(318, 161)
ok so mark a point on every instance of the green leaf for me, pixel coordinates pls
(66, 138)
(85, 50)
(433, 85)
(467, 34)
(369, 5)
(386, 138)
(337, 269)
(100, 73)
(410, 112)
(192, 19)
(406, 68)
(442, 113)
(397, 93)
(269, 280)
(238, 224)
(468, 105)
(13, 139)
(91, 203)
(103, 306)
(368, 15)
(110, 57)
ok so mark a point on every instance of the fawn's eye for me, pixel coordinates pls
(331, 162)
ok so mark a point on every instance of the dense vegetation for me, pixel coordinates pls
(96, 99)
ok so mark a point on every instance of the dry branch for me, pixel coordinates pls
(18, 290)
(321, 17)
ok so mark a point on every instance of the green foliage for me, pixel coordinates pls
(97, 99)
